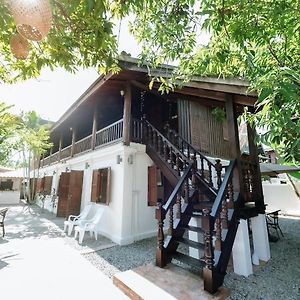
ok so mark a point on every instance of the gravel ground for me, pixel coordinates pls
(277, 279)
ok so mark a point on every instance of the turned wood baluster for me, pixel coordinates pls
(178, 202)
(194, 171)
(155, 140)
(224, 215)
(208, 252)
(218, 167)
(160, 250)
(218, 230)
(210, 175)
(178, 167)
(166, 151)
(202, 166)
(159, 145)
(171, 220)
(230, 203)
(186, 191)
(171, 160)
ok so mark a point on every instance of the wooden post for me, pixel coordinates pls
(234, 144)
(60, 146)
(73, 141)
(127, 115)
(257, 185)
(94, 130)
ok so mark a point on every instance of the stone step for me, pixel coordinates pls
(169, 283)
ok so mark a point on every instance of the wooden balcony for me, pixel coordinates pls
(103, 137)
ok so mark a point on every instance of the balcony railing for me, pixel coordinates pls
(83, 145)
(109, 134)
(105, 136)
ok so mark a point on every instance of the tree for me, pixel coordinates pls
(255, 39)
(33, 140)
(8, 125)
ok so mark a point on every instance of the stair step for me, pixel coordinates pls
(192, 228)
(194, 262)
(202, 205)
(190, 243)
(196, 215)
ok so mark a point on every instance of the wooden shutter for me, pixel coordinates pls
(104, 185)
(95, 189)
(75, 191)
(152, 186)
(48, 185)
(63, 192)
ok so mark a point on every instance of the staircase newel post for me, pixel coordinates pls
(218, 167)
(160, 215)
(207, 225)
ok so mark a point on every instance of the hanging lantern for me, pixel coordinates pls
(33, 18)
(19, 46)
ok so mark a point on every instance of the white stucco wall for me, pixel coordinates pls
(9, 197)
(127, 217)
(281, 196)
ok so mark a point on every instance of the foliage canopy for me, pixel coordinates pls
(255, 39)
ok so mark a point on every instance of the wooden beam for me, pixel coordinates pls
(127, 114)
(151, 91)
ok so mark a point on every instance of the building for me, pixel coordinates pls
(174, 156)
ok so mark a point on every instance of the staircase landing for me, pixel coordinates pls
(171, 282)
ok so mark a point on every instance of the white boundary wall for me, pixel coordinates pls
(127, 217)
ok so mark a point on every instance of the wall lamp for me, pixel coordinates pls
(67, 169)
(54, 172)
(130, 159)
(87, 165)
(119, 159)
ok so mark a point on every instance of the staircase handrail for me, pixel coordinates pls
(193, 148)
(164, 138)
(172, 199)
(222, 190)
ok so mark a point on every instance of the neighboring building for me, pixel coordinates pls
(129, 148)
(10, 186)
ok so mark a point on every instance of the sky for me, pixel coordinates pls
(53, 93)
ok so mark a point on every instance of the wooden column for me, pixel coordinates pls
(257, 185)
(73, 141)
(234, 143)
(94, 130)
(60, 146)
(127, 115)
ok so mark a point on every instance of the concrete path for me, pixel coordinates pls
(41, 265)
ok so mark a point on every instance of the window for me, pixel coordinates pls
(101, 186)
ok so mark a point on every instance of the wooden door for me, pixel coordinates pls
(75, 190)
(63, 193)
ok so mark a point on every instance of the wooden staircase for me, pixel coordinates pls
(203, 191)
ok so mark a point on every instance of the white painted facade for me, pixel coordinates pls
(128, 217)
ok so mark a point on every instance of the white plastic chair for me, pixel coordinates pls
(76, 220)
(89, 225)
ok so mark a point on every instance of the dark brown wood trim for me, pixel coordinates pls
(127, 114)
